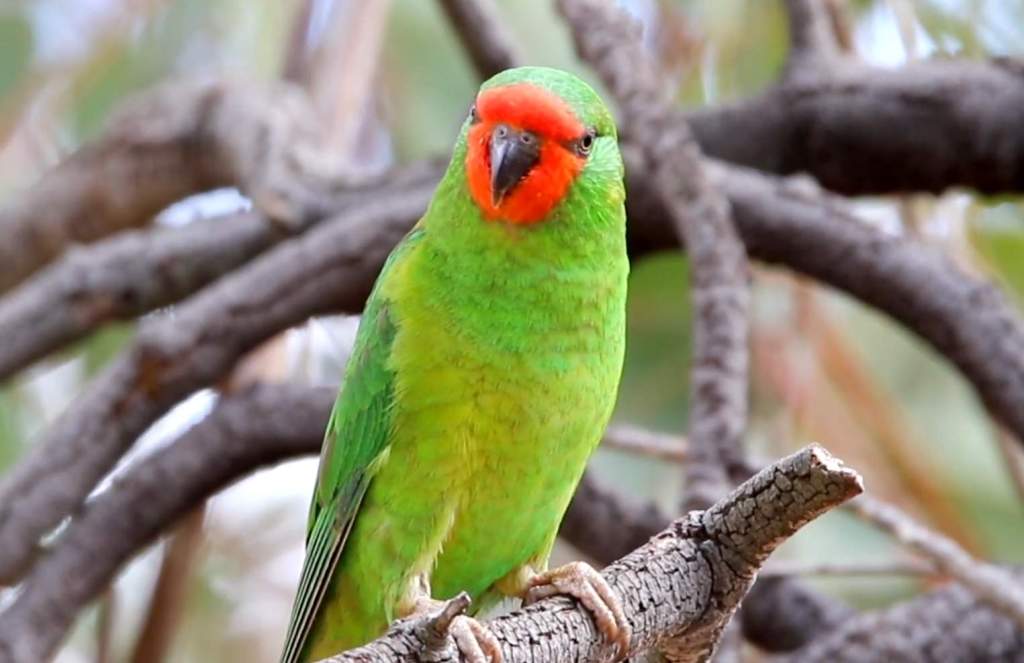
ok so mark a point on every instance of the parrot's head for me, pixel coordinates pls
(533, 135)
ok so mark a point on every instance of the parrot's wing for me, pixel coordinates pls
(355, 445)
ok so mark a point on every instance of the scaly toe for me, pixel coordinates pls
(583, 583)
(475, 641)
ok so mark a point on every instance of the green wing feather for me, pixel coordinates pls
(355, 444)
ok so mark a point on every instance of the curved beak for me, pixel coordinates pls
(513, 154)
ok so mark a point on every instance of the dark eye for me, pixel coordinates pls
(586, 142)
(473, 117)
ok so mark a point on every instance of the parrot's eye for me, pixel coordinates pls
(586, 142)
(473, 117)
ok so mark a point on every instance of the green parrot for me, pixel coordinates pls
(484, 372)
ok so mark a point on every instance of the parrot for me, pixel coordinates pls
(484, 371)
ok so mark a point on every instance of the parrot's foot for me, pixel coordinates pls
(475, 641)
(580, 581)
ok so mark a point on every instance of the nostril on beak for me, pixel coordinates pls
(513, 153)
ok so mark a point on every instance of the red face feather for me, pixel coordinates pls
(529, 108)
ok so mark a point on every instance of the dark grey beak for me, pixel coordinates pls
(513, 154)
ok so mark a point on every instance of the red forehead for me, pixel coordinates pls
(532, 108)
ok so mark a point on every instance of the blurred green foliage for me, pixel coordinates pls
(16, 53)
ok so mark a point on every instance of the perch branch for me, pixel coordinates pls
(609, 40)
(254, 427)
(683, 583)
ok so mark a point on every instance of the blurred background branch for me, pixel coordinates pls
(324, 172)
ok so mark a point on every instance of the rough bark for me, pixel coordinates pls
(676, 588)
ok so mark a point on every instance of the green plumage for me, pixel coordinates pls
(484, 372)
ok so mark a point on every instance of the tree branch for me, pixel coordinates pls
(855, 128)
(794, 224)
(781, 614)
(604, 527)
(609, 39)
(683, 583)
(178, 139)
(631, 439)
(168, 600)
(811, 39)
(329, 269)
(137, 272)
(949, 624)
(991, 584)
(782, 220)
(482, 33)
(252, 428)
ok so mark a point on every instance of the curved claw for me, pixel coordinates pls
(580, 581)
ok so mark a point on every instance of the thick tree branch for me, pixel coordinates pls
(683, 583)
(949, 624)
(603, 526)
(329, 269)
(609, 39)
(178, 139)
(482, 33)
(991, 584)
(856, 127)
(252, 428)
(781, 614)
(137, 272)
(794, 224)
